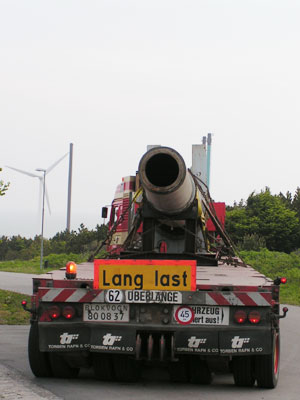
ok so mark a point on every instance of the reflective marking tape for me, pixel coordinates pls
(71, 295)
(64, 295)
(219, 298)
(261, 299)
(246, 299)
(49, 295)
(233, 299)
(239, 298)
(214, 298)
(99, 298)
(76, 296)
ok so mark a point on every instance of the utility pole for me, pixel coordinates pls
(70, 188)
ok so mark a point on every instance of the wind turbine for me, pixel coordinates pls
(41, 178)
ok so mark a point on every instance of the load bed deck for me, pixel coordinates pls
(223, 276)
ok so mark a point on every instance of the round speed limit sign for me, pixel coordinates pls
(184, 315)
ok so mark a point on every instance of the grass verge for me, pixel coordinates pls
(11, 311)
(274, 264)
(55, 261)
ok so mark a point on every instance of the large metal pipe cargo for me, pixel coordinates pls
(166, 182)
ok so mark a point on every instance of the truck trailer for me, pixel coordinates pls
(171, 290)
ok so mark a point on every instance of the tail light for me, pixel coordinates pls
(54, 312)
(254, 317)
(71, 270)
(68, 312)
(240, 316)
(24, 305)
(279, 281)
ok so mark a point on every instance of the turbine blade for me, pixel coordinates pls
(47, 199)
(24, 172)
(55, 164)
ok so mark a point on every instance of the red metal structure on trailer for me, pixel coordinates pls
(171, 290)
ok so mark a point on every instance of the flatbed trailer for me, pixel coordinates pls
(169, 291)
(231, 319)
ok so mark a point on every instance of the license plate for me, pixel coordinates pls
(106, 312)
(201, 315)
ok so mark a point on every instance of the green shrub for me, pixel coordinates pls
(252, 242)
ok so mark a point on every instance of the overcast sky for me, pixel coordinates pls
(112, 76)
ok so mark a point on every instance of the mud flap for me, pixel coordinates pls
(94, 339)
(112, 340)
(197, 342)
(245, 342)
(53, 338)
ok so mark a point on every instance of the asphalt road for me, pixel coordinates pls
(20, 283)
(155, 383)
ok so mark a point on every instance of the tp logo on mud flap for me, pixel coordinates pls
(67, 338)
(109, 339)
(238, 343)
(194, 342)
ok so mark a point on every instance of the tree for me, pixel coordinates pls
(276, 222)
(78, 242)
(3, 186)
(252, 242)
(287, 199)
(296, 202)
(268, 217)
(237, 224)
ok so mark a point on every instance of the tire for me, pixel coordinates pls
(199, 371)
(179, 371)
(38, 360)
(103, 366)
(126, 369)
(267, 366)
(243, 371)
(61, 368)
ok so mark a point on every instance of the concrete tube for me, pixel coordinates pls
(168, 186)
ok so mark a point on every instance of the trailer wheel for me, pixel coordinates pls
(38, 360)
(103, 366)
(243, 371)
(179, 371)
(126, 369)
(267, 366)
(61, 368)
(199, 371)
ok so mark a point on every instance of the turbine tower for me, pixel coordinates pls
(45, 194)
(41, 178)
